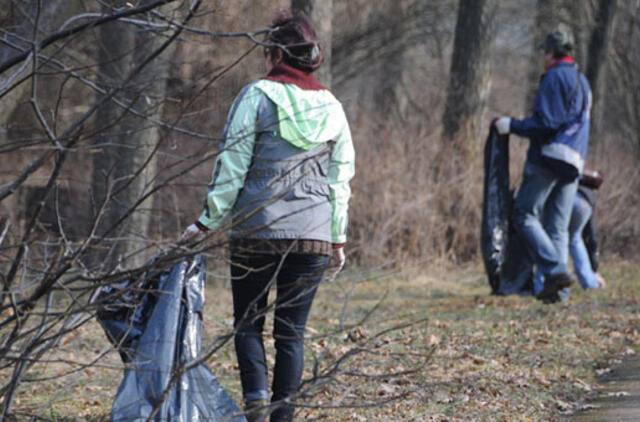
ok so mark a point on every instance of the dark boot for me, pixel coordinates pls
(256, 410)
(551, 299)
(553, 284)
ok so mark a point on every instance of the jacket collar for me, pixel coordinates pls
(289, 75)
(565, 59)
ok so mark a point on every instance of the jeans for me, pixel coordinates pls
(580, 215)
(579, 218)
(542, 212)
(296, 277)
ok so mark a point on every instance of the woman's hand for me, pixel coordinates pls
(336, 262)
(191, 233)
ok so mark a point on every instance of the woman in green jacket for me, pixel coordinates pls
(283, 175)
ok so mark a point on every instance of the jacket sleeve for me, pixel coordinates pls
(549, 110)
(233, 161)
(341, 171)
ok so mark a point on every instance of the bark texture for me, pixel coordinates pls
(124, 159)
(470, 77)
(597, 62)
(547, 19)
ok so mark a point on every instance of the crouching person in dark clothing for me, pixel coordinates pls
(543, 205)
(283, 174)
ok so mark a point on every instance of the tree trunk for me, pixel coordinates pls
(17, 118)
(578, 18)
(14, 41)
(622, 105)
(596, 65)
(547, 19)
(321, 14)
(124, 162)
(465, 108)
(393, 24)
(470, 77)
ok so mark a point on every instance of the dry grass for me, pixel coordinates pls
(496, 358)
(417, 199)
(476, 357)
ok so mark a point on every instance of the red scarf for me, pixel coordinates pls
(288, 75)
(565, 59)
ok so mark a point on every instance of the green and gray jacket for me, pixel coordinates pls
(285, 166)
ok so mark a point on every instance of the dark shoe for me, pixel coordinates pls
(551, 299)
(282, 413)
(553, 284)
(256, 410)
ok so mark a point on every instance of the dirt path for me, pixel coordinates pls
(619, 400)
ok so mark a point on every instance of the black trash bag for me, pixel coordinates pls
(516, 277)
(495, 206)
(156, 323)
(503, 249)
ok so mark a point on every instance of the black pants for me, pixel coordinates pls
(296, 277)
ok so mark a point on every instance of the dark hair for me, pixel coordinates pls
(293, 34)
(560, 53)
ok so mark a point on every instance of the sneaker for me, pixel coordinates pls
(553, 284)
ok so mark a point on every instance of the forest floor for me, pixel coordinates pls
(411, 346)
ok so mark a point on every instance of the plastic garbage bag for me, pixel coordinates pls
(496, 205)
(517, 270)
(503, 250)
(156, 323)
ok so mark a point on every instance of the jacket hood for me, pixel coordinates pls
(307, 118)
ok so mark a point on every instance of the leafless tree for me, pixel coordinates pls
(547, 18)
(388, 61)
(97, 156)
(124, 158)
(470, 75)
(34, 317)
(86, 84)
(596, 70)
(622, 105)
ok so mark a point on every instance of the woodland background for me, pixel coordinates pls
(419, 101)
(111, 114)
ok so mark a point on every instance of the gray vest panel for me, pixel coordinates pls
(286, 192)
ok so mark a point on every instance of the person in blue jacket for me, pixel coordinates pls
(543, 205)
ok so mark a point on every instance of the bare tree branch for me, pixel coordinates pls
(79, 28)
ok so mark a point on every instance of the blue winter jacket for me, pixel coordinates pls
(557, 103)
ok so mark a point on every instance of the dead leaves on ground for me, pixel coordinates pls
(501, 358)
(476, 357)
